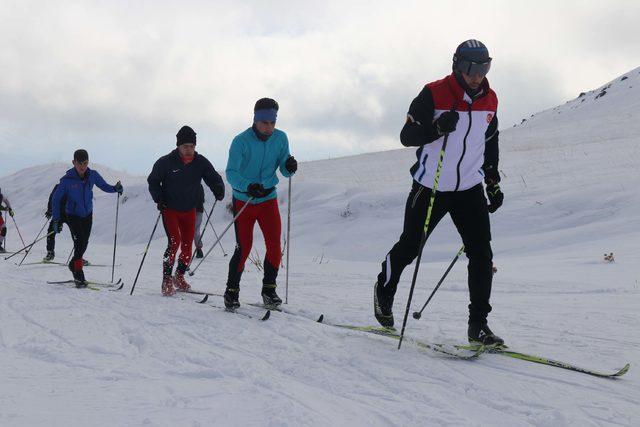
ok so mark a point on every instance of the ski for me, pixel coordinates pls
(73, 282)
(503, 350)
(281, 309)
(64, 265)
(196, 292)
(454, 351)
(92, 284)
(264, 317)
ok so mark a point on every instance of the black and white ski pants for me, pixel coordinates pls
(468, 210)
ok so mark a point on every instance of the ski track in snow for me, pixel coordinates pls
(80, 357)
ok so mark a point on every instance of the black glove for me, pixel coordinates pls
(11, 212)
(57, 226)
(118, 188)
(495, 197)
(47, 214)
(447, 122)
(257, 191)
(291, 165)
(218, 193)
(161, 206)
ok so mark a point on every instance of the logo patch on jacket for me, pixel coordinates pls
(489, 117)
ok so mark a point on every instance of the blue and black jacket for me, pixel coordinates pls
(79, 193)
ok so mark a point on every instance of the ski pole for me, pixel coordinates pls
(212, 228)
(191, 273)
(286, 283)
(436, 180)
(39, 233)
(29, 245)
(205, 229)
(19, 234)
(144, 255)
(115, 239)
(72, 249)
(416, 314)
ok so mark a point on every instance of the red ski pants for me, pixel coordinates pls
(268, 217)
(180, 228)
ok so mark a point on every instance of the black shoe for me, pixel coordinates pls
(382, 306)
(199, 253)
(49, 256)
(78, 277)
(231, 298)
(2, 250)
(479, 333)
(270, 297)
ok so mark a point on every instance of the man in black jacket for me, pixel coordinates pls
(460, 108)
(174, 185)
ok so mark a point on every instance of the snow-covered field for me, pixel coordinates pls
(571, 181)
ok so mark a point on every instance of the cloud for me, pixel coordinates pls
(120, 78)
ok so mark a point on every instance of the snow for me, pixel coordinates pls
(570, 177)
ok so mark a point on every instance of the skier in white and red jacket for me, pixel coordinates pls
(462, 106)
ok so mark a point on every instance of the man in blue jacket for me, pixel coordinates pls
(77, 186)
(254, 157)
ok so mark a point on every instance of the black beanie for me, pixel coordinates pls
(81, 155)
(266, 104)
(185, 135)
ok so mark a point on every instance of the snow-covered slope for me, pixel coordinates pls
(570, 177)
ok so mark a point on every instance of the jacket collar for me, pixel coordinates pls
(459, 92)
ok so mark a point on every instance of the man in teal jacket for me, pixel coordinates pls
(254, 157)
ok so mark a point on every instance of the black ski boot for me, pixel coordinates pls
(199, 253)
(2, 249)
(49, 256)
(382, 306)
(479, 333)
(231, 298)
(270, 297)
(78, 277)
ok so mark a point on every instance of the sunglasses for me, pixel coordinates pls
(471, 68)
(268, 123)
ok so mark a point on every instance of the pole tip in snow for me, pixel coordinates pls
(417, 315)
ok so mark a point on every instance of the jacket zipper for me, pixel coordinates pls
(464, 149)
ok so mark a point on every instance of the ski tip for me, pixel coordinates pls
(266, 315)
(203, 300)
(320, 319)
(121, 286)
(623, 370)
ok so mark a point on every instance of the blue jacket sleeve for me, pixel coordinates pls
(102, 184)
(58, 194)
(284, 155)
(234, 165)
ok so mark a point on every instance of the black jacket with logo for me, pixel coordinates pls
(177, 184)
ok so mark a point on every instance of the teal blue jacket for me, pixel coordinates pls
(254, 161)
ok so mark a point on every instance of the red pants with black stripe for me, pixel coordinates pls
(267, 215)
(180, 228)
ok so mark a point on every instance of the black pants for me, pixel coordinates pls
(468, 210)
(51, 238)
(80, 229)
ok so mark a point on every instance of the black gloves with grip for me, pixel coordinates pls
(496, 197)
(161, 206)
(257, 191)
(57, 226)
(447, 122)
(291, 165)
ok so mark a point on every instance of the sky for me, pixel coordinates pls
(119, 78)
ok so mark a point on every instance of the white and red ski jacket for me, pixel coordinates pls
(471, 153)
